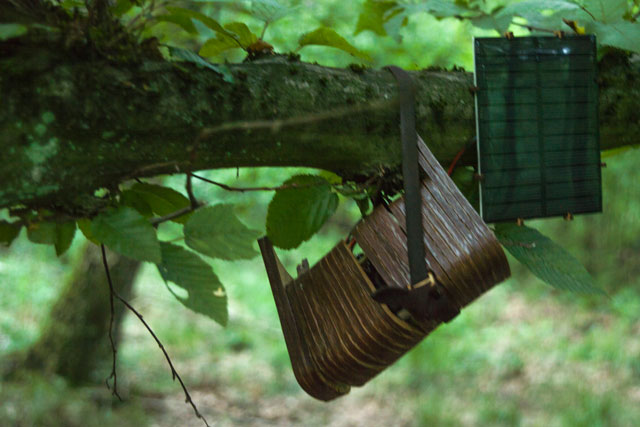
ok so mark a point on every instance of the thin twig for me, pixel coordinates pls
(588, 13)
(359, 187)
(277, 124)
(243, 189)
(264, 30)
(161, 165)
(174, 215)
(192, 197)
(174, 373)
(114, 350)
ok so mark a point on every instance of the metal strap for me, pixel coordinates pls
(418, 270)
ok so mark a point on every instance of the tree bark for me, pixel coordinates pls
(74, 342)
(74, 121)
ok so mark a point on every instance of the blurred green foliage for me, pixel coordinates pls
(522, 354)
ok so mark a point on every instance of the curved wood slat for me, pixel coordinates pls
(336, 334)
(303, 368)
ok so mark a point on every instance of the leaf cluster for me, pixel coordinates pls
(612, 21)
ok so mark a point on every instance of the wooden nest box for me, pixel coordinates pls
(337, 332)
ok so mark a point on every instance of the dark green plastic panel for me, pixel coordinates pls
(537, 119)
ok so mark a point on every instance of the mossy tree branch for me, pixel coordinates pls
(73, 121)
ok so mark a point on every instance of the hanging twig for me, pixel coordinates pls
(174, 373)
(114, 351)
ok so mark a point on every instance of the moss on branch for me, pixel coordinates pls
(73, 122)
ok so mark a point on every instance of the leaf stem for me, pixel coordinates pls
(264, 29)
(176, 214)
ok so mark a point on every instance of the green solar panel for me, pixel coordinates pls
(537, 127)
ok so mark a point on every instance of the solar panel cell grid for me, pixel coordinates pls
(537, 119)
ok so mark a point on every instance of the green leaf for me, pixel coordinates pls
(618, 150)
(544, 13)
(438, 8)
(206, 295)
(331, 177)
(187, 55)
(84, 224)
(64, 236)
(8, 31)
(8, 232)
(395, 24)
(120, 7)
(244, 35)
(606, 11)
(494, 21)
(374, 15)
(623, 35)
(209, 22)
(324, 36)
(364, 205)
(182, 21)
(42, 232)
(546, 259)
(127, 232)
(270, 10)
(135, 200)
(296, 214)
(217, 45)
(217, 232)
(162, 200)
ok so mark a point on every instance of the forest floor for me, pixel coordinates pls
(511, 358)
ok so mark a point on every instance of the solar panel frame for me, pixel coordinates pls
(537, 126)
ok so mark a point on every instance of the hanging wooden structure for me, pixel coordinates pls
(348, 318)
(537, 127)
(337, 335)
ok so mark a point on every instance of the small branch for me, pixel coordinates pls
(244, 189)
(174, 215)
(114, 351)
(174, 373)
(264, 30)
